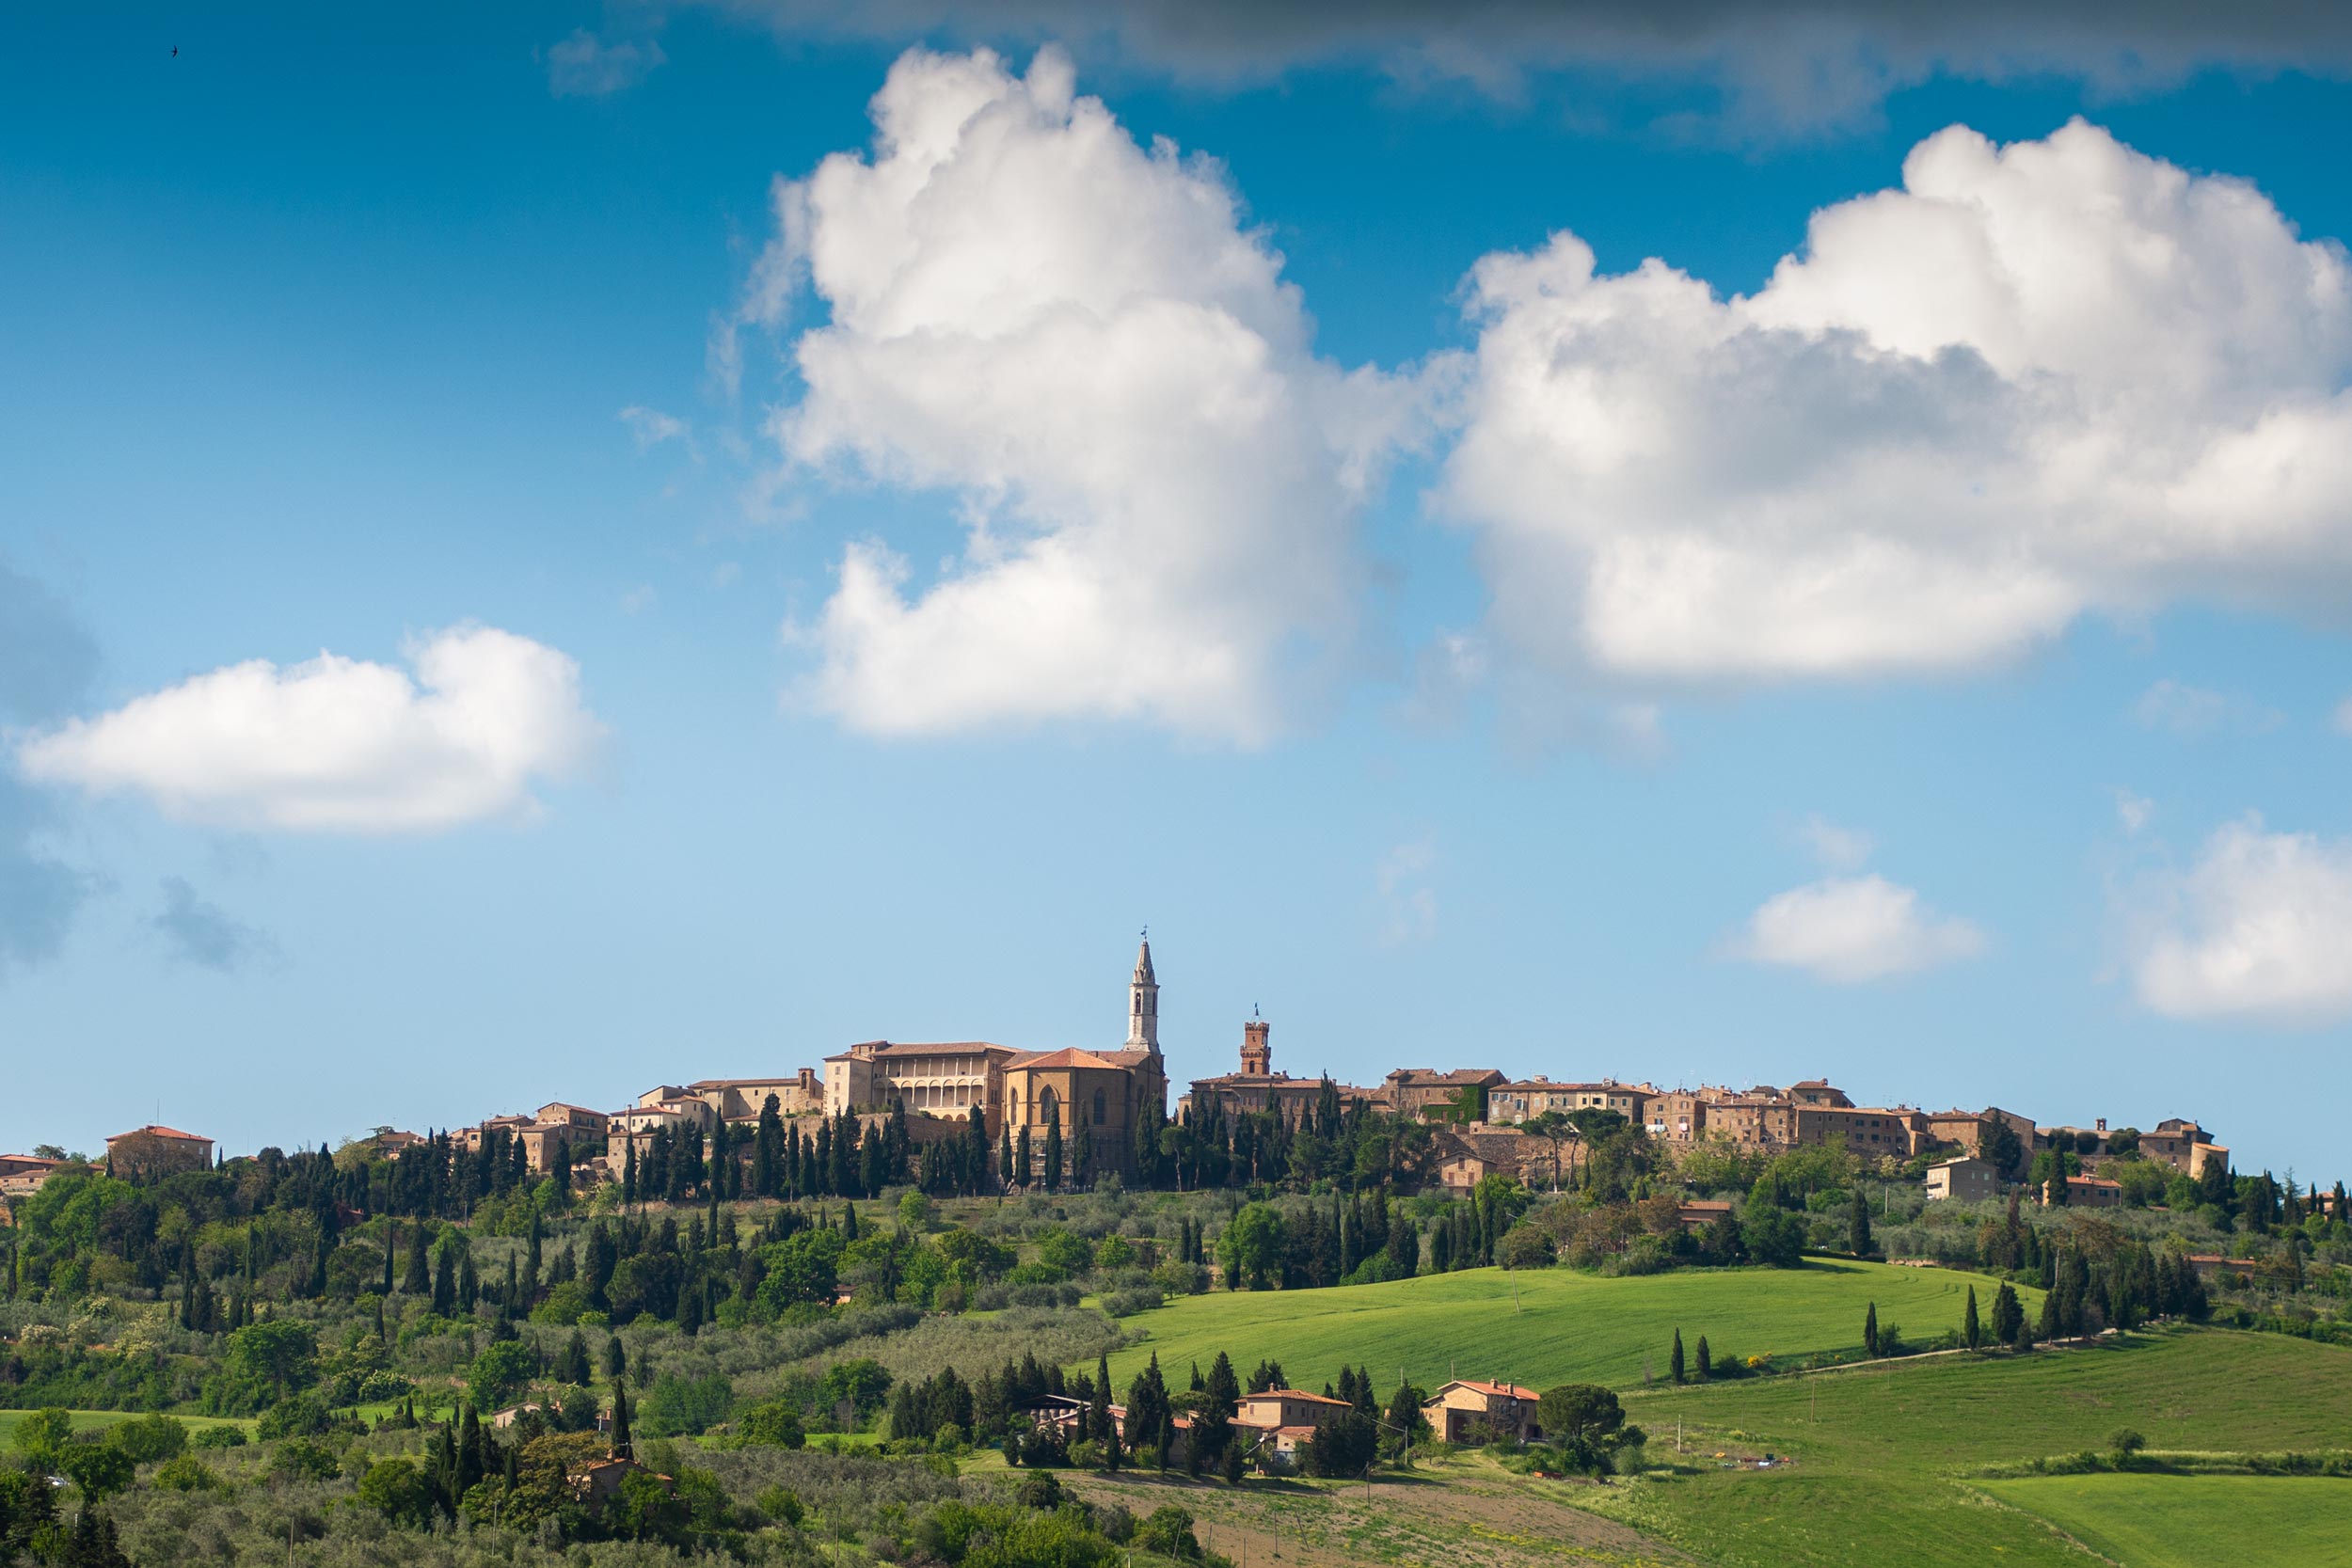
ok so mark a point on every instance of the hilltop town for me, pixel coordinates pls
(1044, 1117)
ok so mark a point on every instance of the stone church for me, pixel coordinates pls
(1099, 1095)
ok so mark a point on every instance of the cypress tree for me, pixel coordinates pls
(1870, 1331)
(391, 1244)
(616, 1359)
(1858, 1227)
(1971, 1332)
(445, 1288)
(417, 1280)
(1673, 1358)
(1707, 1362)
(620, 1445)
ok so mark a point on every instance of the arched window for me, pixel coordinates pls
(1047, 1111)
(1098, 1108)
(1016, 1105)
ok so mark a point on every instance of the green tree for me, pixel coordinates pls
(1707, 1361)
(1858, 1226)
(1252, 1244)
(399, 1491)
(1971, 1331)
(1578, 1410)
(267, 1361)
(2008, 1317)
(571, 1366)
(502, 1371)
(41, 1435)
(1673, 1358)
(1870, 1330)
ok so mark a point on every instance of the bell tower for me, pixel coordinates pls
(1257, 1057)
(1143, 1004)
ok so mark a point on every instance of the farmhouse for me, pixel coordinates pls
(1463, 1411)
(153, 1150)
(1966, 1179)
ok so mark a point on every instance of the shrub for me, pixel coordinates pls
(772, 1424)
(1168, 1530)
(304, 1459)
(298, 1417)
(783, 1505)
(185, 1473)
(150, 1439)
(219, 1438)
(1126, 1303)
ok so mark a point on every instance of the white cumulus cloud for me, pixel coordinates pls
(339, 744)
(1075, 337)
(1854, 929)
(2034, 381)
(2259, 928)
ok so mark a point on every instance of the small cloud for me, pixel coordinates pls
(1838, 849)
(1409, 903)
(583, 66)
(727, 573)
(2257, 929)
(1849, 931)
(2133, 812)
(650, 427)
(203, 933)
(2194, 712)
(2343, 717)
(639, 599)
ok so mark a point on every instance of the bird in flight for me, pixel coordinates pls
(175, 51)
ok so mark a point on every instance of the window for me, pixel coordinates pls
(1099, 1117)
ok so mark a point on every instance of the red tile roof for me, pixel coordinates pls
(1299, 1394)
(154, 1132)
(1067, 1059)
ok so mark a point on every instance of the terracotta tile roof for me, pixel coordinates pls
(1494, 1390)
(1067, 1059)
(154, 1132)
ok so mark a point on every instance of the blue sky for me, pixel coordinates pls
(320, 339)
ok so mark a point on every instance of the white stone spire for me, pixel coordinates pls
(1143, 1004)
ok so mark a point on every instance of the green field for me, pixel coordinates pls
(1563, 1326)
(1884, 1454)
(2146, 1521)
(93, 1421)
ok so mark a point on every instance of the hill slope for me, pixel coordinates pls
(1547, 1326)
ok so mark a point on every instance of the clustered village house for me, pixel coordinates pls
(1484, 1123)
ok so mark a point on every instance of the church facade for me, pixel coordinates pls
(1095, 1096)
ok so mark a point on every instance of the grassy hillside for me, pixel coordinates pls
(1883, 1460)
(1564, 1326)
(2195, 1521)
(95, 1421)
(1882, 1455)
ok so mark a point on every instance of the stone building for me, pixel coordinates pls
(1965, 1179)
(1095, 1095)
(1258, 1087)
(152, 1150)
(1415, 1093)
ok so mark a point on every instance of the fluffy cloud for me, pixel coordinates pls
(584, 65)
(201, 932)
(2257, 929)
(1408, 902)
(2033, 382)
(1074, 337)
(1829, 64)
(339, 744)
(1852, 930)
